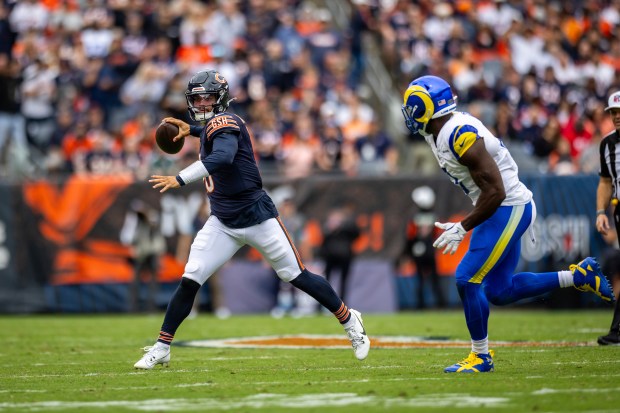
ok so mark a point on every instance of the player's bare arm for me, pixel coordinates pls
(183, 127)
(603, 198)
(164, 182)
(486, 175)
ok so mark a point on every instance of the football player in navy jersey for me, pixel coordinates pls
(241, 214)
(504, 209)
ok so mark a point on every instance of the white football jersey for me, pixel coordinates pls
(456, 137)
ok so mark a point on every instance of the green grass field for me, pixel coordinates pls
(85, 364)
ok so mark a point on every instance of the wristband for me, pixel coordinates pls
(194, 172)
(600, 212)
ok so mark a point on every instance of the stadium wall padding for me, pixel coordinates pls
(60, 249)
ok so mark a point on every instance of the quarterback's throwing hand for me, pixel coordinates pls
(164, 182)
(451, 237)
(183, 127)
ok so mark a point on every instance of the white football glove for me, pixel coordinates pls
(451, 237)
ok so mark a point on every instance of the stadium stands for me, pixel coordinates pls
(84, 83)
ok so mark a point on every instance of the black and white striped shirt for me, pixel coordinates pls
(610, 160)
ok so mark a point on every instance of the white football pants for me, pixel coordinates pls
(216, 243)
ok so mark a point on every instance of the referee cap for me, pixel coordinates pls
(614, 101)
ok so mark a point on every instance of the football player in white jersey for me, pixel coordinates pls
(480, 164)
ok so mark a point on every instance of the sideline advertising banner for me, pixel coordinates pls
(69, 234)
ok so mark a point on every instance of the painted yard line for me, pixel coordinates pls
(591, 330)
(81, 363)
(572, 377)
(545, 391)
(82, 389)
(304, 368)
(224, 358)
(209, 384)
(180, 385)
(560, 363)
(438, 377)
(370, 380)
(582, 411)
(173, 370)
(270, 400)
(128, 373)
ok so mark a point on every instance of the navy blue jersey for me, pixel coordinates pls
(234, 183)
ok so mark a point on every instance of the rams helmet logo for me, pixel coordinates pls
(426, 98)
(418, 108)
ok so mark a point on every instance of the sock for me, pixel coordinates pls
(178, 309)
(566, 279)
(344, 316)
(159, 343)
(480, 346)
(321, 290)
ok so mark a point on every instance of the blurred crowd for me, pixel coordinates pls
(537, 72)
(84, 83)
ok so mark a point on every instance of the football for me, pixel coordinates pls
(163, 136)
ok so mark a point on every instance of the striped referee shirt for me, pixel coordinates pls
(610, 160)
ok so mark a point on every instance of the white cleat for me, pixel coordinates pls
(358, 337)
(154, 355)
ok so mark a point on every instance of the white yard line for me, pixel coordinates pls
(270, 400)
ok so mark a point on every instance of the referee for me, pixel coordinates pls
(607, 192)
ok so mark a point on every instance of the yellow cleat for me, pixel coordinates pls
(474, 363)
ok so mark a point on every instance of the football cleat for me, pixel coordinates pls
(474, 363)
(611, 339)
(154, 355)
(357, 336)
(587, 276)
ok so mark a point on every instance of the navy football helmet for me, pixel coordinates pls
(207, 82)
(426, 98)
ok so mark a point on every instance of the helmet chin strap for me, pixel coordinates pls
(423, 132)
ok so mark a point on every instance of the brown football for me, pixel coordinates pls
(163, 136)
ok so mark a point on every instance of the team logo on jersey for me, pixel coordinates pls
(219, 78)
(462, 138)
(219, 122)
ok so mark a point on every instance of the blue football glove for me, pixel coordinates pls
(451, 237)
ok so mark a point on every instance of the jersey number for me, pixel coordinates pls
(209, 185)
(456, 181)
